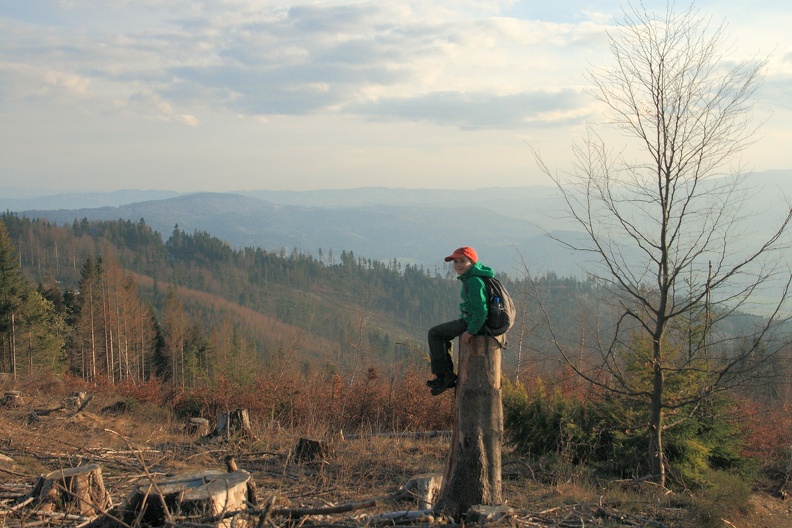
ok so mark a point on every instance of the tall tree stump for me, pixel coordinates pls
(78, 490)
(473, 468)
(192, 497)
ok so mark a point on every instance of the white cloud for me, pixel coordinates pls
(480, 73)
(187, 120)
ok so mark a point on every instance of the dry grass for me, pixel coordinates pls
(145, 438)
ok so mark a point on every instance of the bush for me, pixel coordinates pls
(723, 494)
(608, 435)
(538, 426)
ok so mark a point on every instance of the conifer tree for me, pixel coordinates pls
(12, 292)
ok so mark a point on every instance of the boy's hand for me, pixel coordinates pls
(466, 337)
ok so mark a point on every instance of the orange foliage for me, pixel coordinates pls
(374, 403)
(767, 429)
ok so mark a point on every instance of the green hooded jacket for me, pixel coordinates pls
(473, 308)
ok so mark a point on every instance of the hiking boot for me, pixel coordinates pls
(442, 384)
(432, 382)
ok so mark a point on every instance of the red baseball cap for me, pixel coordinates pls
(464, 251)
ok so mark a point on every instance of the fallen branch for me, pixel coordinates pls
(405, 434)
(285, 512)
(342, 508)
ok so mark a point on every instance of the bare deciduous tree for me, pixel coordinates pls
(664, 223)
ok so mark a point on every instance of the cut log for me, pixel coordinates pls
(473, 468)
(75, 490)
(194, 497)
(233, 425)
(309, 449)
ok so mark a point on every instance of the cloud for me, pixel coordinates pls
(355, 89)
(393, 60)
(482, 110)
(187, 120)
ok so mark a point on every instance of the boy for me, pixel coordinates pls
(473, 314)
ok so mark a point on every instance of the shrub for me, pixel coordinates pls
(537, 425)
(608, 434)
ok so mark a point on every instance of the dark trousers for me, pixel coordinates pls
(440, 339)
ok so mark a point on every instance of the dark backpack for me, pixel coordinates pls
(500, 307)
(501, 311)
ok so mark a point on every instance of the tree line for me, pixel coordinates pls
(110, 299)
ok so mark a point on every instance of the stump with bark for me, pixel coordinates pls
(309, 449)
(197, 427)
(421, 489)
(473, 468)
(75, 400)
(78, 490)
(193, 497)
(12, 398)
(233, 424)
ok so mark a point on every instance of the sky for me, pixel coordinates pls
(225, 95)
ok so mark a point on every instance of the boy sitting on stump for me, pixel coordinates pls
(473, 313)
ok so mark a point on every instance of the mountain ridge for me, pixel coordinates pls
(509, 227)
(409, 234)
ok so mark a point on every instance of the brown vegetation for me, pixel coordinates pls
(146, 435)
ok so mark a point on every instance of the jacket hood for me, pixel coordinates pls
(477, 270)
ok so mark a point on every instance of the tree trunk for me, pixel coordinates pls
(656, 454)
(473, 468)
(13, 346)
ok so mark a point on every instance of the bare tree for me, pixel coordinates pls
(665, 223)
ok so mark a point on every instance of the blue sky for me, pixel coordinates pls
(227, 95)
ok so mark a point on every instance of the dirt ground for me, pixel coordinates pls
(41, 435)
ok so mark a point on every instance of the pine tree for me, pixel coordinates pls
(13, 288)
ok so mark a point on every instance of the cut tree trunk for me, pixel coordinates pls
(190, 497)
(77, 490)
(473, 468)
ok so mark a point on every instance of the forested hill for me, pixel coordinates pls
(275, 307)
(502, 225)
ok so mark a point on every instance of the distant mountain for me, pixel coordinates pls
(23, 202)
(506, 225)
(413, 234)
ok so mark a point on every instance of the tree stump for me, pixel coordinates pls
(233, 424)
(77, 490)
(197, 427)
(423, 489)
(309, 449)
(193, 497)
(12, 398)
(473, 468)
(75, 400)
